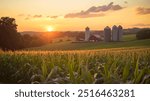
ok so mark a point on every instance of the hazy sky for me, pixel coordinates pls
(64, 15)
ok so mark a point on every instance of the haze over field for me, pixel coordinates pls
(64, 15)
(75, 42)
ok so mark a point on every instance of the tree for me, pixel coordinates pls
(10, 39)
(143, 34)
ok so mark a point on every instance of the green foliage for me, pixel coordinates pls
(120, 65)
(126, 72)
(128, 41)
(143, 34)
(10, 39)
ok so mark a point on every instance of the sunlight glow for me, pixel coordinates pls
(50, 28)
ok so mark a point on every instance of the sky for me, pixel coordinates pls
(75, 15)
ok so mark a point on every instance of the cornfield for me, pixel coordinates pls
(105, 66)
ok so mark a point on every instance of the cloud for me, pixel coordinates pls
(83, 15)
(53, 17)
(27, 18)
(141, 24)
(37, 16)
(20, 15)
(143, 11)
(95, 11)
(125, 2)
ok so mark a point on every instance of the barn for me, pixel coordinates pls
(94, 38)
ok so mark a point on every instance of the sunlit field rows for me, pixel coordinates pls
(119, 65)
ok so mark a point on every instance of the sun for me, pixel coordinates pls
(50, 29)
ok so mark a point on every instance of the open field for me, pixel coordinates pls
(123, 62)
(129, 41)
(118, 65)
(74, 42)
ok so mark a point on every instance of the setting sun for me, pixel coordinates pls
(50, 28)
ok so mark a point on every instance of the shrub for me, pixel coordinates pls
(143, 34)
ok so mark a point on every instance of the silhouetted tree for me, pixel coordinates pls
(33, 41)
(143, 34)
(10, 39)
(26, 40)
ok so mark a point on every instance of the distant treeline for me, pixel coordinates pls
(55, 34)
(143, 34)
(10, 39)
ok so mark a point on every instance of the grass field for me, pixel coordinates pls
(128, 41)
(114, 65)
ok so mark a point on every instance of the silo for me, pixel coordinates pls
(107, 34)
(115, 33)
(87, 33)
(120, 32)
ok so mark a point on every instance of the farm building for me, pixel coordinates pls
(115, 33)
(95, 38)
(120, 32)
(107, 34)
(87, 33)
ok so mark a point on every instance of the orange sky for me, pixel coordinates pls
(69, 15)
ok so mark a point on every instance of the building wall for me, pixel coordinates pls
(87, 33)
(120, 33)
(115, 33)
(107, 34)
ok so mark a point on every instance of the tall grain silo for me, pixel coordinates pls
(115, 33)
(87, 33)
(120, 32)
(107, 34)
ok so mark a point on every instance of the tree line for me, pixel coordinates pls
(11, 39)
(143, 34)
